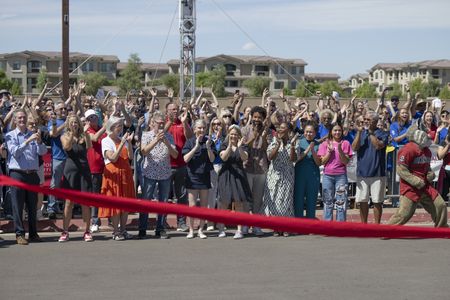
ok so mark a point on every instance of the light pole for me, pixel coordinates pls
(65, 48)
(187, 49)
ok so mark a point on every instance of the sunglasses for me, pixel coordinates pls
(226, 116)
(217, 124)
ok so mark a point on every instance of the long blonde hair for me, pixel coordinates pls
(80, 131)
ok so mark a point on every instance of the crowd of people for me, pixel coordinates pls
(264, 159)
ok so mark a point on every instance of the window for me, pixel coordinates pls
(31, 83)
(106, 67)
(231, 83)
(88, 67)
(230, 69)
(3, 65)
(73, 66)
(435, 73)
(376, 75)
(261, 68)
(278, 85)
(295, 70)
(16, 66)
(293, 85)
(34, 66)
(279, 70)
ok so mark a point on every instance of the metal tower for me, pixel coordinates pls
(187, 49)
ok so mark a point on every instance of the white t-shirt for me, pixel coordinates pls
(109, 145)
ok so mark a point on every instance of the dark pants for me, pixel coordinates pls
(178, 180)
(20, 197)
(96, 188)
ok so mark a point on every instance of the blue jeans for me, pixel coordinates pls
(57, 175)
(334, 195)
(148, 190)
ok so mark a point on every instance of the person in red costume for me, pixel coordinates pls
(416, 177)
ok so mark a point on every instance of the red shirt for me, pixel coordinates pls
(94, 154)
(418, 163)
(177, 131)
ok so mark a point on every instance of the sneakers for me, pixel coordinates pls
(202, 235)
(142, 234)
(87, 237)
(285, 234)
(35, 239)
(183, 228)
(276, 233)
(222, 234)
(210, 228)
(127, 236)
(52, 216)
(244, 230)
(64, 237)
(21, 240)
(190, 235)
(161, 235)
(118, 237)
(257, 231)
(238, 235)
(94, 228)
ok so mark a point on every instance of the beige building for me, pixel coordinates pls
(355, 81)
(321, 77)
(385, 74)
(282, 72)
(24, 67)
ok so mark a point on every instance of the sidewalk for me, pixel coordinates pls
(421, 217)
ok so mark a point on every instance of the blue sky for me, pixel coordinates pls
(335, 36)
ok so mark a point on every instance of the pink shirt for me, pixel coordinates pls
(334, 166)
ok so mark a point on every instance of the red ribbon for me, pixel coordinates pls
(285, 224)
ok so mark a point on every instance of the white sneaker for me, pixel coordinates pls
(257, 231)
(210, 228)
(238, 235)
(202, 235)
(94, 228)
(190, 235)
(244, 230)
(222, 234)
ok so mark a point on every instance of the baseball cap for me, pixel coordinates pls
(89, 113)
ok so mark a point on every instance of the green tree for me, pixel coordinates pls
(287, 91)
(396, 91)
(431, 88)
(306, 89)
(214, 78)
(131, 77)
(16, 89)
(7, 84)
(445, 93)
(365, 90)
(256, 85)
(329, 86)
(417, 86)
(94, 81)
(171, 81)
(41, 80)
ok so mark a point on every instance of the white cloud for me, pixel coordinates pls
(249, 46)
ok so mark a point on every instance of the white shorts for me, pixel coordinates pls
(370, 186)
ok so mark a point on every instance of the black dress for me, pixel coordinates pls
(199, 167)
(233, 184)
(77, 175)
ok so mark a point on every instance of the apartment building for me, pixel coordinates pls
(24, 67)
(356, 80)
(321, 77)
(282, 72)
(385, 74)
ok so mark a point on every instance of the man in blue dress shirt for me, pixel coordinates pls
(24, 148)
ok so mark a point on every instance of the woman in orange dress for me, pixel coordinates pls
(117, 176)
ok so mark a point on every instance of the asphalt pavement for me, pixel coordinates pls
(295, 267)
